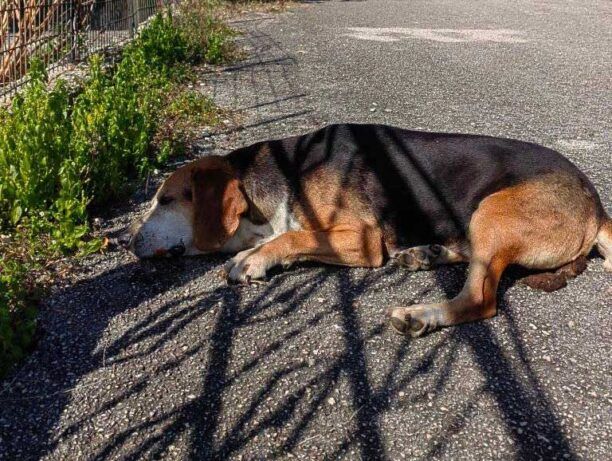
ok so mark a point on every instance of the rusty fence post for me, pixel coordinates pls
(136, 14)
(130, 13)
(75, 20)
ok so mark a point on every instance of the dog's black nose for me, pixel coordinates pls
(124, 239)
(177, 250)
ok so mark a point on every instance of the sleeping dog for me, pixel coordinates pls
(357, 195)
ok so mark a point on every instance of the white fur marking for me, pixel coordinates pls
(161, 229)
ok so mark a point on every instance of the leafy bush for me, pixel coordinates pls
(112, 126)
(161, 45)
(37, 123)
(59, 154)
(115, 117)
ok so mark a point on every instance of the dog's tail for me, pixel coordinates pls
(604, 241)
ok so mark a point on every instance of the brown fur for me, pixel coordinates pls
(337, 228)
(326, 201)
(552, 281)
(218, 204)
(351, 244)
(510, 227)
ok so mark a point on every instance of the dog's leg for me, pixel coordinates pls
(604, 242)
(356, 244)
(492, 250)
(510, 227)
(428, 257)
(476, 301)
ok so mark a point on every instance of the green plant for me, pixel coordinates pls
(162, 44)
(34, 138)
(207, 37)
(110, 131)
(60, 154)
(183, 117)
(17, 312)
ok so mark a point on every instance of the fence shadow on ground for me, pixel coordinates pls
(205, 421)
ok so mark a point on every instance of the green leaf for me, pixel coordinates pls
(16, 214)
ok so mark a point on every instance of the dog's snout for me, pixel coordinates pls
(177, 250)
(125, 239)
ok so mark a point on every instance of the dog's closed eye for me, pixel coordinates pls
(165, 200)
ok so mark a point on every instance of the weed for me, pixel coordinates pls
(208, 38)
(34, 136)
(17, 308)
(183, 117)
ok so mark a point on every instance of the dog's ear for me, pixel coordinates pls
(218, 203)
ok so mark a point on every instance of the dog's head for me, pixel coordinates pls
(196, 210)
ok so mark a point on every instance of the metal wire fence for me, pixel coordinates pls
(62, 32)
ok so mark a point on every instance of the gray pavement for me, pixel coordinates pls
(164, 360)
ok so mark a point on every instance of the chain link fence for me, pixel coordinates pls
(62, 32)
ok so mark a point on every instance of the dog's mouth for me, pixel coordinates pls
(175, 251)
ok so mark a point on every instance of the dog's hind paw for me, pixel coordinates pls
(414, 321)
(420, 258)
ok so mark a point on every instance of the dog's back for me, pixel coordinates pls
(423, 187)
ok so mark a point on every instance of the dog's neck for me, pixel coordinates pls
(252, 233)
(248, 235)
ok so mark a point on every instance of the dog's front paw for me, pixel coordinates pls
(247, 266)
(415, 320)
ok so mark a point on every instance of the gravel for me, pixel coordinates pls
(162, 359)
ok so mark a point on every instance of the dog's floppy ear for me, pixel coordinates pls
(218, 203)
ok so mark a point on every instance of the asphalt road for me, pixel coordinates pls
(164, 360)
